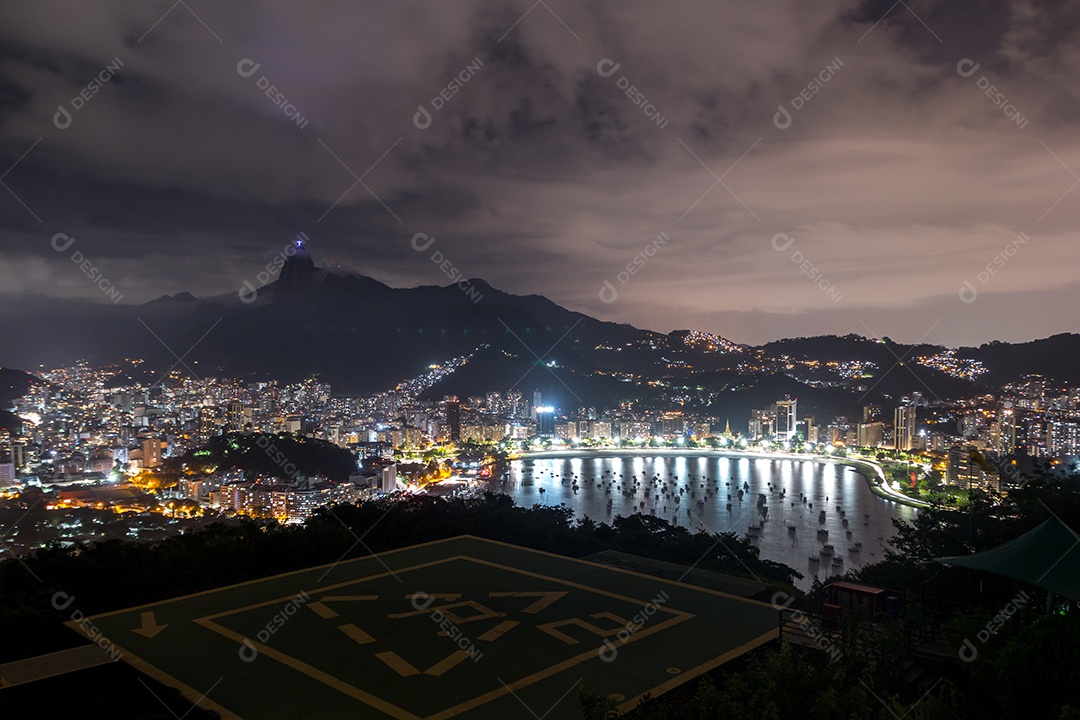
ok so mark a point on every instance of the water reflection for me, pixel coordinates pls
(792, 509)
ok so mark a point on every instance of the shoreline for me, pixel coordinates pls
(858, 465)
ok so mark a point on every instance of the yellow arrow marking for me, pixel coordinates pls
(149, 628)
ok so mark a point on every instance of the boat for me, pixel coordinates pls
(814, 557)
(791, 528)
(837, 560)
(753, 531)
(827, 549)
(855, 547)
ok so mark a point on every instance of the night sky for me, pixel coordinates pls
(824, 167)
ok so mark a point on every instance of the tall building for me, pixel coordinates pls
(904, 427)
(1008, 436)
(151, 452)
(545, 421)
(389, 479)
(762, 424)
(964, 469)
(871, 434)
(453, 419)
(537, 403)
(786, 412)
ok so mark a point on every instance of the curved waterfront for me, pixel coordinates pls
(781, 503)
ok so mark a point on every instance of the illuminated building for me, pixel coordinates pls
(904, 427)
(545, 421)
(871, 434)
(786, 412)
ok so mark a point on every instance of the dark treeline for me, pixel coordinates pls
(1029, 667)
(116, 574)
(1025, 664)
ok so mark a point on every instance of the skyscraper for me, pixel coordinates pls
(453, 419)
(786, 412)
(904, 427)
(545, 421)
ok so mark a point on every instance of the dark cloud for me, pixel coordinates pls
(898, 177)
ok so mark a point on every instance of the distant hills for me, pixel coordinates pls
(13, 384)
(363, 336)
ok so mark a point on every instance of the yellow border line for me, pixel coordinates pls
(209, 622)
(689, 675)
(163, 677)
(223, 588)
(316, 591)
(168, 679)
(626, 572)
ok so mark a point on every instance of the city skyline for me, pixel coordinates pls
(851, 168)
(503, 358)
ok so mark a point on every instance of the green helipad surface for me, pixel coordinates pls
(464, 627)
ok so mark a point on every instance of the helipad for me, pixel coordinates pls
(464, 627)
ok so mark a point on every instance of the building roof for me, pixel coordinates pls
(1047, 557)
